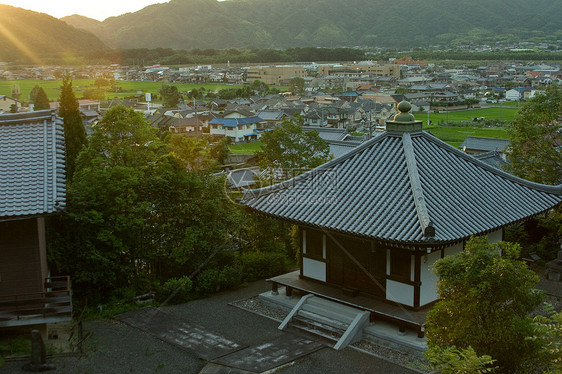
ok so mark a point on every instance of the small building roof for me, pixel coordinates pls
(407, 187)
(32, 164)
(233, 122)
(484, 144)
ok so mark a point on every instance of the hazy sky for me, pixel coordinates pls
(97, 9)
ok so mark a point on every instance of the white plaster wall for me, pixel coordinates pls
(428, 289)
(495, 236)
(314, 269)
(454, 249)
(399, 292)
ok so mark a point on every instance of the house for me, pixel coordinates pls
(239, 129)
(374, 221)
(6, 103)
(474, 145)
(32, 186)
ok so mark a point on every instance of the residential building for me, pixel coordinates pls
(238, 129)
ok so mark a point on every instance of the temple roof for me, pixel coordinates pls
(405, 186)
(32, 173)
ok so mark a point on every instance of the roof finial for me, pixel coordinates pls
(404, 121)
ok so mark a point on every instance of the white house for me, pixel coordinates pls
(238, 129)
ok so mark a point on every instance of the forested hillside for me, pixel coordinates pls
(29, 36)
(188, 24)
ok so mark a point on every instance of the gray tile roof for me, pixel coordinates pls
(484, 144)
(405, 187)
(32, 164)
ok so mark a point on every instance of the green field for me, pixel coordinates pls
(456, 135)
(504, 114)
(127, 88)
(245, 148)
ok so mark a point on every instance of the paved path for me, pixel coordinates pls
(212, 346)
(115, 347)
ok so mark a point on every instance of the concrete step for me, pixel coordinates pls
(330, 312)
(327, 333)
(325, 320)
(334, 306)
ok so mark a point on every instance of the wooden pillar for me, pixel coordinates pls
(274, 288)
(289, 291)
(417, 278)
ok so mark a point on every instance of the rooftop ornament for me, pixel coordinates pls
(404, 121)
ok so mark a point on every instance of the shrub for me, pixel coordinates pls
(175, 290)
(260, 265)
(215, 280)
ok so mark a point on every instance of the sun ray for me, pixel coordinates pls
(19, 45)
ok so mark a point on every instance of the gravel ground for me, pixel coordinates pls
(117, 348)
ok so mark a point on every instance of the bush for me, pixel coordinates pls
(175, 290)
(260, 265)
(215, 280)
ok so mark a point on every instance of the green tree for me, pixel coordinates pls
(101, 82)
(289, 147)
(39, 99)
(534, 153)
(170, 95)
(296, 86)
(74, 132)
(450, 360)
(548, 331)
(486, 296)
(535, 136)
(134, 214)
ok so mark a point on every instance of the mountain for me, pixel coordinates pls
(188, 24)
(28, 36)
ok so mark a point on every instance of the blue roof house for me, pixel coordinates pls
(238, 129)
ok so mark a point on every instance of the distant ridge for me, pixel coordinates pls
(188, 24)
(31, 37)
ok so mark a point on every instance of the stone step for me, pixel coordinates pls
(329, 312)
(326, 318)
(342, 309)
(327, 333)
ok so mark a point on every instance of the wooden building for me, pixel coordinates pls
(32, 185)
(375, 220)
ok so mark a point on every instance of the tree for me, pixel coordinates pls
(486, 296)
(39, 99)
(548, 331)
(134, 214)
(101, 82)
(296, 86)
(534, 153)
(535, 137)
(170, 95)
(74, 132)
(289, 147)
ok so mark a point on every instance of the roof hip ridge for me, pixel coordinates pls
(417, 190)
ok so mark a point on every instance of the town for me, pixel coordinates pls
(392, 213)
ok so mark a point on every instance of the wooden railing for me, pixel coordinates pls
(54, 304)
